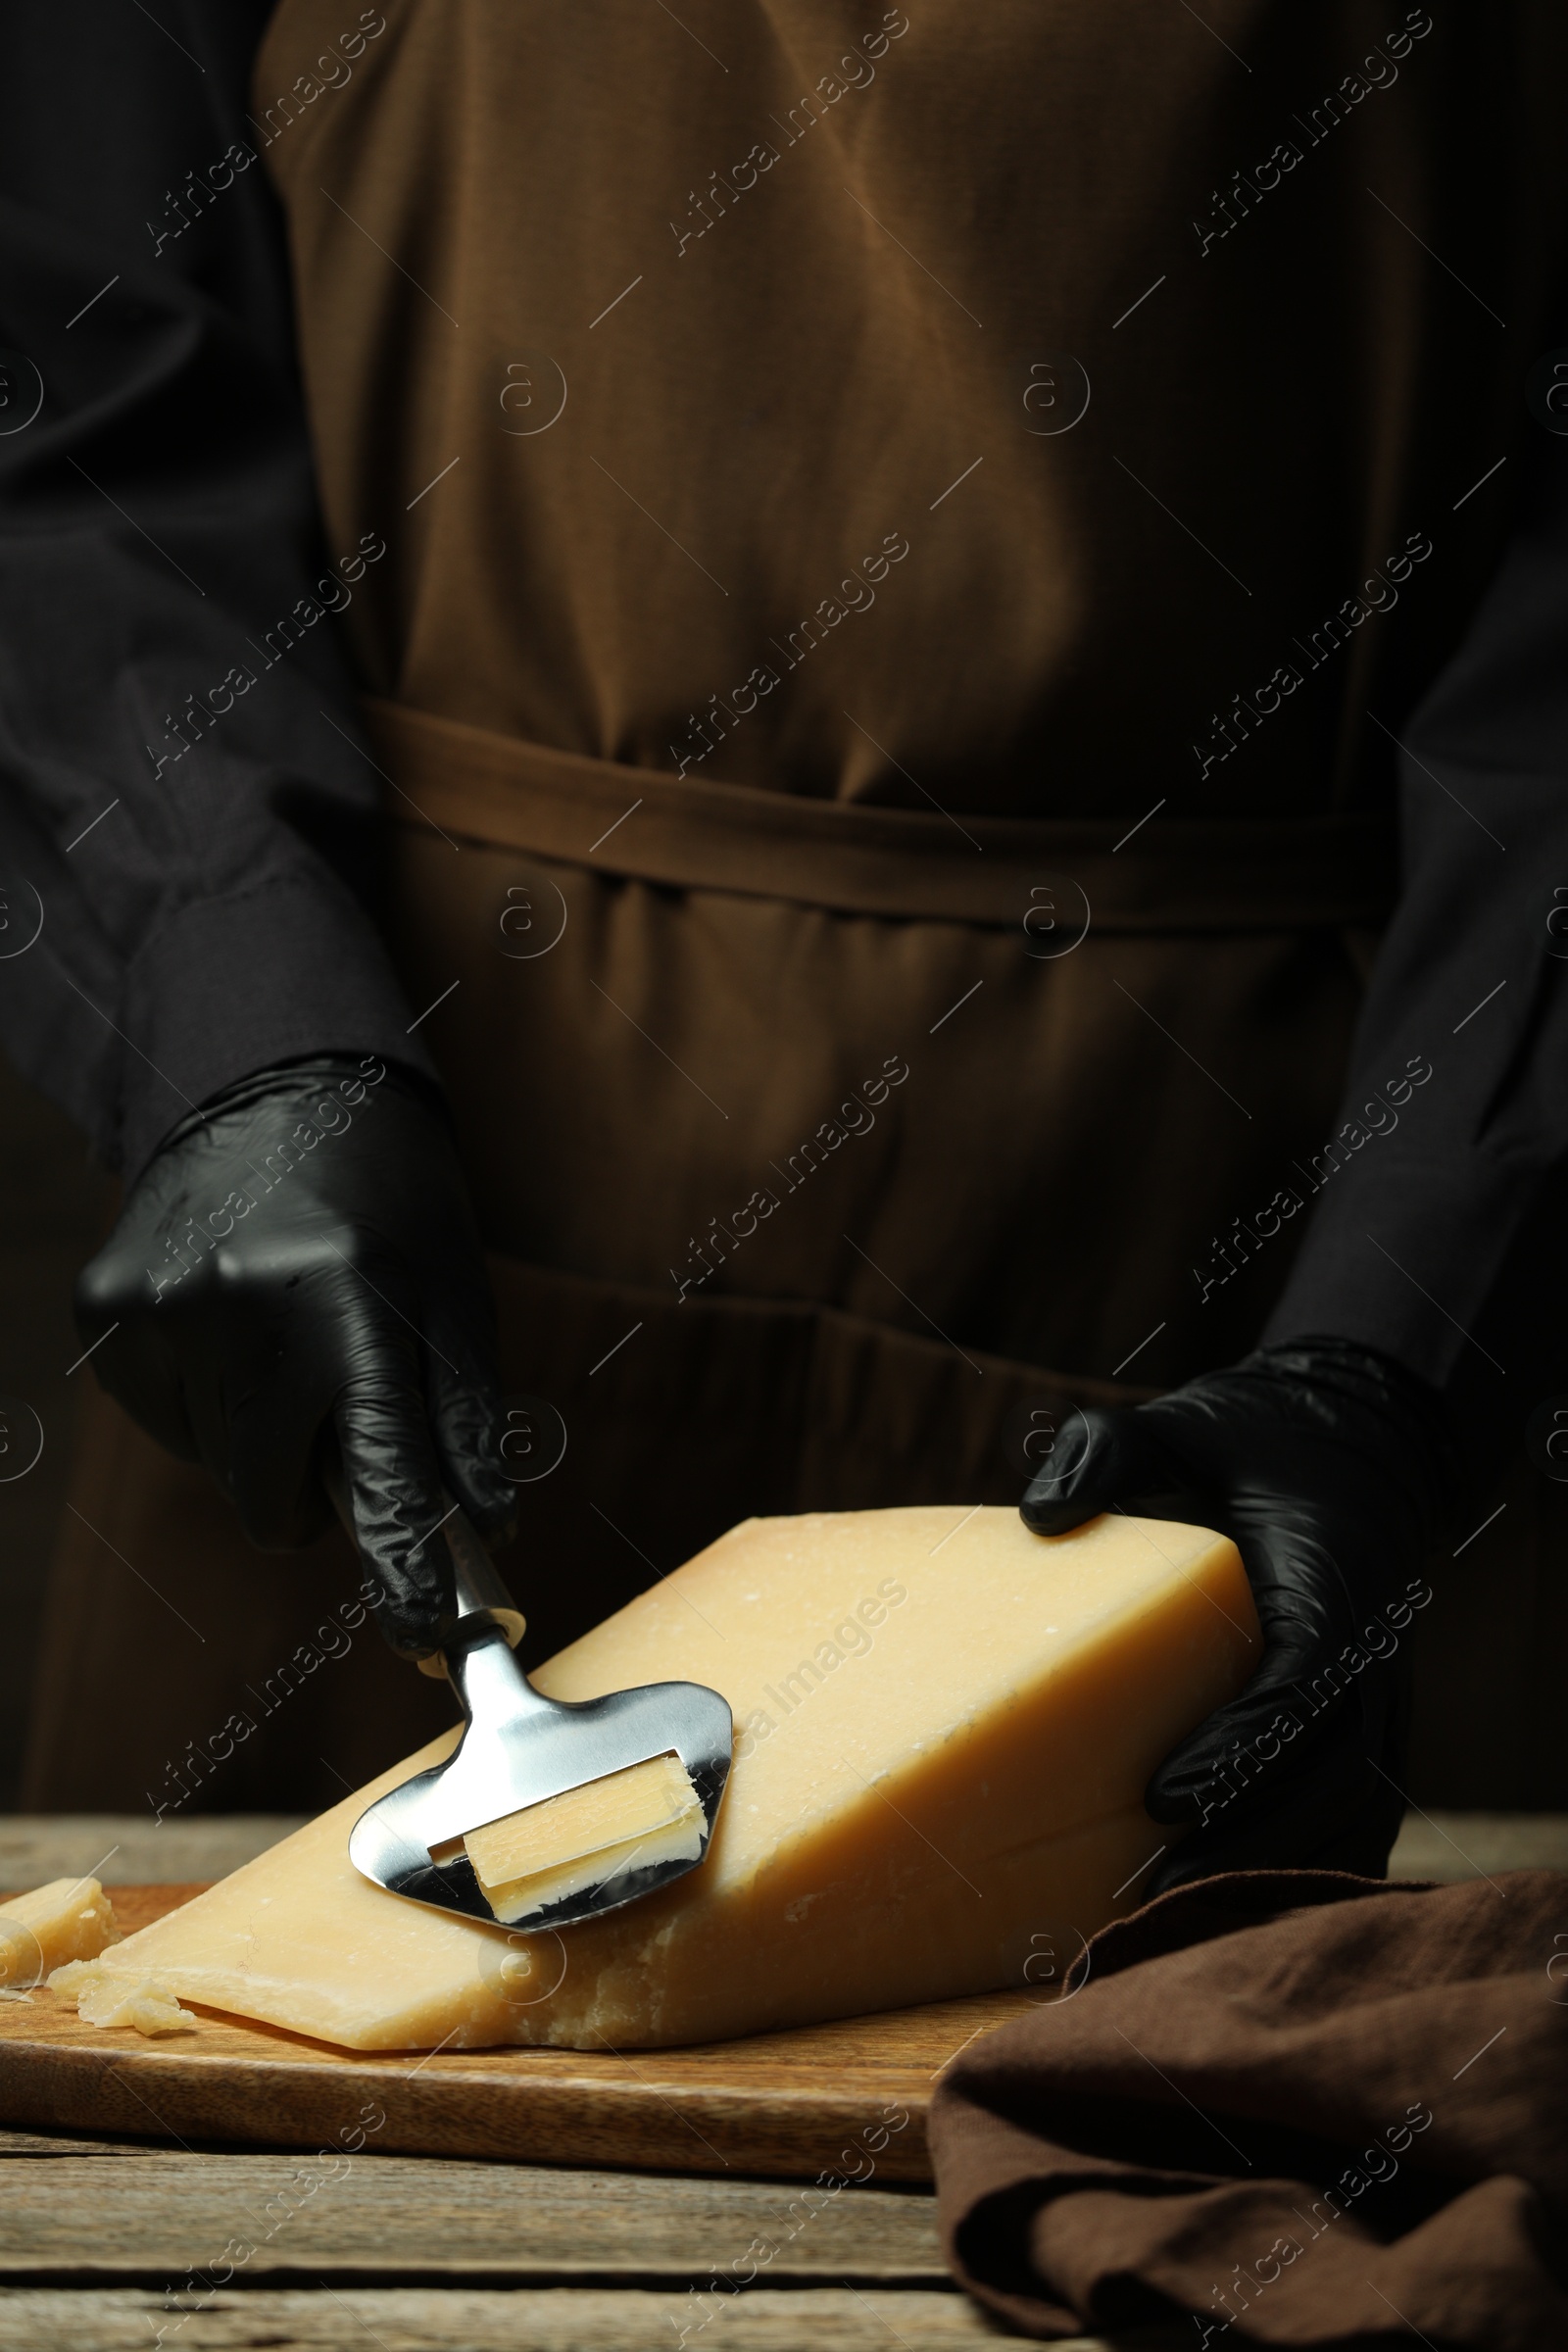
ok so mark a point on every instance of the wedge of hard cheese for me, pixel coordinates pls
(944, 1727)
(69, 1919)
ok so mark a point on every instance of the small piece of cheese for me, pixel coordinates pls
(104, 2000)
(69, 1919)
(945, 1725)
(648, 1813)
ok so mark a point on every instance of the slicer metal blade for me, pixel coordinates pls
(519, 1747)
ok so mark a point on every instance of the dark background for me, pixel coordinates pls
(53, 1205)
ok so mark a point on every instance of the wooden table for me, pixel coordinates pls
(118, 2244)
(104, 2243)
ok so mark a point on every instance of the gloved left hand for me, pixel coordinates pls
(296, 1272)
(1324, 1460)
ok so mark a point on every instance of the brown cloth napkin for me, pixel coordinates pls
(1288, 2107)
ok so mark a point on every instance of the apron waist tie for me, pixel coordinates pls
(1180, 875)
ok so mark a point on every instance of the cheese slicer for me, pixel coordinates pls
(519, 1748)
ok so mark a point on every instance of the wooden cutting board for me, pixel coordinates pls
(791, 2105)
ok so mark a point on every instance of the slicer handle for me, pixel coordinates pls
(480, 1588)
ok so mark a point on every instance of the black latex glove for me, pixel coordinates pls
(299, 1261)
(1324, 1461)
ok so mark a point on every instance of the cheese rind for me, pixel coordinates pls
(945, 1725)
(69, 1919)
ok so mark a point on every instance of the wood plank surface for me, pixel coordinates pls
(403, 2320)
(96, 2219)
(1455, 1847)
(134, 1849)
(862, 2271)
(456, 2320)
(850, 2097)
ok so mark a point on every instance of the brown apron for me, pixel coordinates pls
(877, 534)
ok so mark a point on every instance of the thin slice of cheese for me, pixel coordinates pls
(69, 1919)
(523, 1900)
(627, 1820)
(944, 1728)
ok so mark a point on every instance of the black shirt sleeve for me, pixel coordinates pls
(186, 812)
(1428, 1183)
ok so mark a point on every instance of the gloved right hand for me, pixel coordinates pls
(298, 1265)
(1326, 1461)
